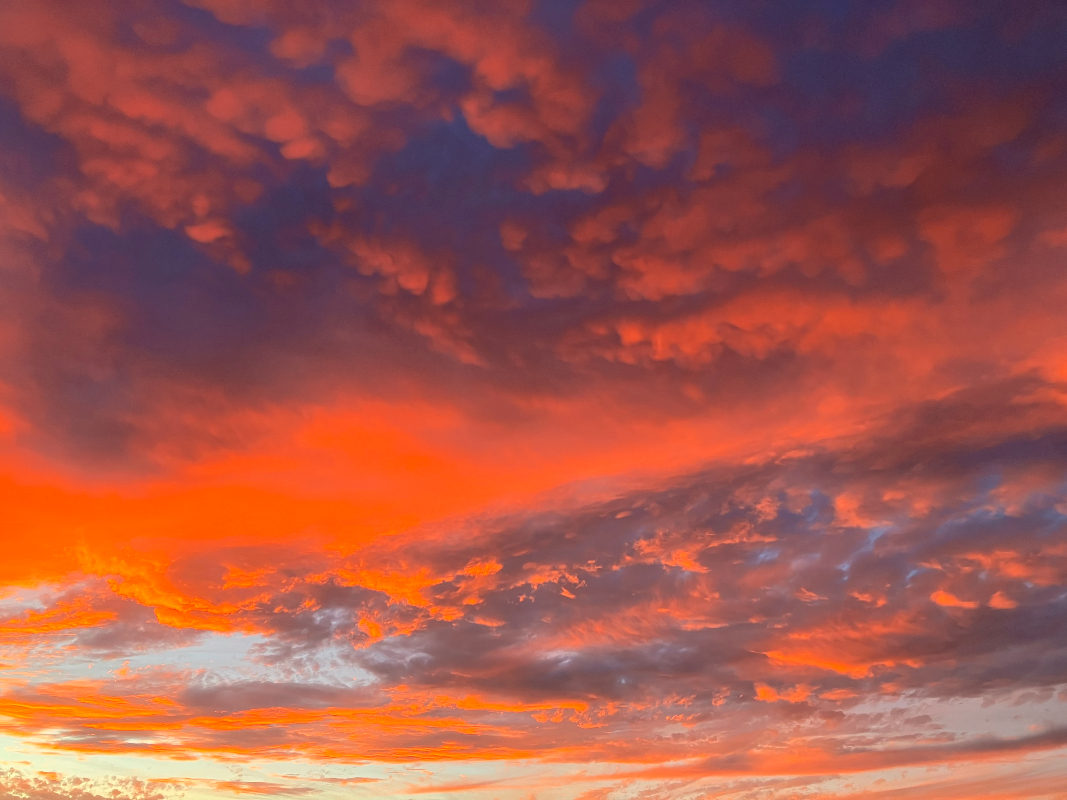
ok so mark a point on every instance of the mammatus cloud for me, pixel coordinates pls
(584, 400)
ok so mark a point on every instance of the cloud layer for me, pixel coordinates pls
(667, 396)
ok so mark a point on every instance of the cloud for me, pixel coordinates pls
(743, 598)
(51, 786)
(657, 393)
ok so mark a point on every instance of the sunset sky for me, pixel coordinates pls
(533, 399)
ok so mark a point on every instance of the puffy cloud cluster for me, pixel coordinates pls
(609, 189)
(17, 785)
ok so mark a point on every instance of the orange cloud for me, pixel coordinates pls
(658, 395)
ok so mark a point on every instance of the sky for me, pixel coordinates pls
(533, 399)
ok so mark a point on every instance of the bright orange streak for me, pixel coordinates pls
(66, 616)
(348, 477)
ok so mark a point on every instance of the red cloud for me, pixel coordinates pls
(663, 395)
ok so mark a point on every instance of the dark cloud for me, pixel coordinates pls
(754, 238)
